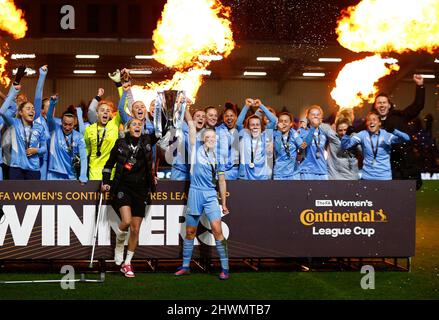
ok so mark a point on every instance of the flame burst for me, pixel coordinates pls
(12, 21)
(390, 26)
(187, 30)
(356, 81)
(380, 26)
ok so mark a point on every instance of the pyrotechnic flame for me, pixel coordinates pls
(188, 31)
(4, 79)
(356, 81)
(390, 26)
(190, 28)
(189, 81)
(12, 21)
(380, 26)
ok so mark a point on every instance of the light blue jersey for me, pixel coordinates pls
(204, 176)
(38, 104)
(272, 119)
(255, 162)
(45, 157)
(285, 150)
(180, 170)
(314, 161)
(5, 140)
(23, 137)
(228, 150)
(205, 168)
(376, 151)
(63, 148)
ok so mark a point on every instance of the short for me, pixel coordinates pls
(136, 200)
(22, 174)
(312, 176)
(279, 177)
(202, 201)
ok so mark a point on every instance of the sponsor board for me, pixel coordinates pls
(267, 219)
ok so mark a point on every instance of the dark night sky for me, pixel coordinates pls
(301, 21)
(293, 21)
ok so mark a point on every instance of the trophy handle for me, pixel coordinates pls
(158, 105)
(179, 110)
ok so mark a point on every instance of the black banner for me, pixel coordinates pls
(268, 219)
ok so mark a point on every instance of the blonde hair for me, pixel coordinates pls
(345, 116)
(314, 106)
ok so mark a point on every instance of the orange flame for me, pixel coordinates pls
(188, 30)
(189, 81)
(390, 25)
(12, 21)
(356, 81)
(4, 79)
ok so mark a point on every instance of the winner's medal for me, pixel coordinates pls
(317, 145)
(251, 165)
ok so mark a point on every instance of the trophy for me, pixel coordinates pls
(169, 110)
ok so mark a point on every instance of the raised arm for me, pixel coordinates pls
(117, 78)
(130, 101)
(7, 116)
(272, 119)
(42, 149)
(413, 110)
(50, 120)
(121, 106)
(192, 128)
(38, 101)
(81, 125)
(92, 116)
(240, 121)
(83, 157)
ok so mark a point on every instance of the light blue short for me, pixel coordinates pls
(312, 176)
(202, 201)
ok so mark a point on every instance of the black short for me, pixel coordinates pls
(137, 200)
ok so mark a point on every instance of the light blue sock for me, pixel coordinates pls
(188, 247)
(221, 247)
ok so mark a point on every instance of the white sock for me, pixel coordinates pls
(130, 254)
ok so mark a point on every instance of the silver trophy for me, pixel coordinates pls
(169, 110)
